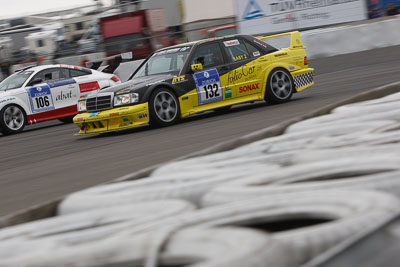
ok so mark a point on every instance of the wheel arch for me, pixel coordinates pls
(176, 90)
(18, 102)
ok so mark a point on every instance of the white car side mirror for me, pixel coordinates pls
(127, 55)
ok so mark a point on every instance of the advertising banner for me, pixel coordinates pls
(266, 16)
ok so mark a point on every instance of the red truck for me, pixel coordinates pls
(222, 31)
(130, 32)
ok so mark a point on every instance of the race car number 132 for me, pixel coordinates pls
(208, 86)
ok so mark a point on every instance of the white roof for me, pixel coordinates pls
(43, 67)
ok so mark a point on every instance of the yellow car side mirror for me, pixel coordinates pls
(197, 67)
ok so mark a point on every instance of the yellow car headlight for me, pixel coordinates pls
(82, 105)
(126, 99)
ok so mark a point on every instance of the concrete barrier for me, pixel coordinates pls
(349, 39)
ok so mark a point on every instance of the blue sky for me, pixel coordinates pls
(15, 8)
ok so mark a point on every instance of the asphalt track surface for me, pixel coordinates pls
(46, 161)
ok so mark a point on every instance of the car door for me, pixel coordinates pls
(244, 77)
(207, 82)
(57, 95)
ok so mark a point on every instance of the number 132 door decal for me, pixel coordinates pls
(40, 99)
(208, 86)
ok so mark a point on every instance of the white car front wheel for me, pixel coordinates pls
(12, 119)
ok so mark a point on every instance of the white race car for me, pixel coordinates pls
(45, 93)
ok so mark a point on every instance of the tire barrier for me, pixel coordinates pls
(212, 247)
(157, 187)
(380, 172)
(308, 222)
(316, 186)
(102, 220)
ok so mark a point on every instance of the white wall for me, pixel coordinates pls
(267, 16)
(350, 39)
(196, 10)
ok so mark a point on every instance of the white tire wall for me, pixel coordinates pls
(96, 224)
(323, 181)
(222, 247)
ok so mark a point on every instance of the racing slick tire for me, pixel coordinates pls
(12, 119)
(67, 119)
(280, 87)
(163, 107)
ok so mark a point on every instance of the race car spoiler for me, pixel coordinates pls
(295, 39)
(114, 63)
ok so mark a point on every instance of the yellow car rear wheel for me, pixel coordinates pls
(280, 86)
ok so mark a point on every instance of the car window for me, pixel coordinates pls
(160, 64)
(168, 60)
(64, 74)
(180, 60)
(15, 81)
(51, 75)
(77, 73)
(253, 51)
(209, 55)
(236, 50)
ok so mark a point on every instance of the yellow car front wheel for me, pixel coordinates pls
(163, 107)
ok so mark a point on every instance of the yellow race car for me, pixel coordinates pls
(189, 78)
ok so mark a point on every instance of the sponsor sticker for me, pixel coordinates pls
(90, 86)
(94, 114)
(123, 92)
(241, 73)
(250, 87)
(178, 79)
(152, 83)
(7, 99)
(208, 86)
(61, 83)
(240, 57)
(61, 96)
(231, 43)
(281, 54)
(256, 54)
(40, 99)
(185, 98)
(141, 116)
(260, 42)
(291, 67)
(228, 93)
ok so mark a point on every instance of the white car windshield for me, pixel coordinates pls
(15, 81)
(165, 61)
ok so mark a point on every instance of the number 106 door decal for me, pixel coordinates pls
(40, 99)
(208, 86)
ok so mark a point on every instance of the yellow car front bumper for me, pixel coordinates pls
(111, 120)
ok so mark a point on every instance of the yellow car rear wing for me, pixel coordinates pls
(295, 39)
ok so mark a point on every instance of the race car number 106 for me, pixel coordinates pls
(208, 86)
(40, 99)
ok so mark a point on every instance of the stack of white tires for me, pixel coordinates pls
(281, 201)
